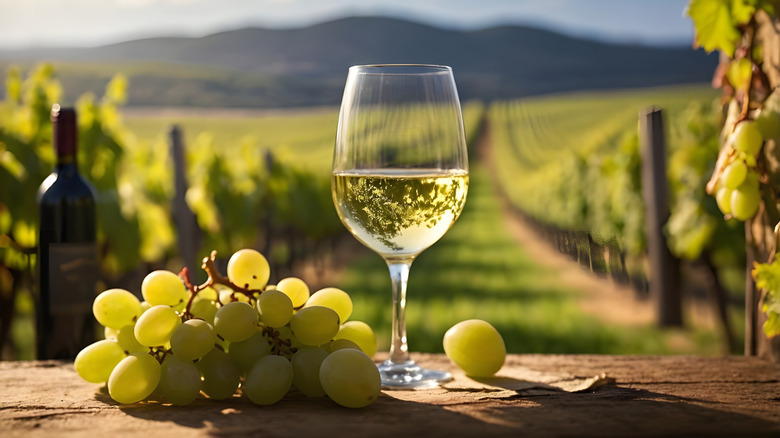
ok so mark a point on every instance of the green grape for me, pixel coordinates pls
(235, 321)
(221, 343)
(109, 333)
(155, 326)
(296, 289)
(208, 293)
(145, 306)
(245, 353)
(734, 174)
(752, 180)
(228, 295)
(338, 344)
(315, 325)
(747, 138)
(269, 380)
(220, 374)
(723, 198)
(134, 378)
(179, 308)
(275, 308)
(740, 73)
(204, 308)
(768, 123)
(128, 342)
(96, 361)
(116, 308)
(334, 298)
(163, 287)
(192, 339)
(350, 378)
(249, 269)
(306, 364)
(476, 347)
(179, 380)
(361, 334)
(744, 202)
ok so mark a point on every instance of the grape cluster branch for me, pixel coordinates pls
(214, 278)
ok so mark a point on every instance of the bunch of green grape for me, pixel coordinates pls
(257, 340)
(737, 189)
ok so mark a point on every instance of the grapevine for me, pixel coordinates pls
(744, 179)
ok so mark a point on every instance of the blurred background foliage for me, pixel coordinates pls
(566, 163)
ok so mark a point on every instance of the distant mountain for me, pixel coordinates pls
(308, 66)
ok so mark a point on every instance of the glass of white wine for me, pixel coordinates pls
(400, 178)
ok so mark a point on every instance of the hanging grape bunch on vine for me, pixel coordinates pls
(746, 177)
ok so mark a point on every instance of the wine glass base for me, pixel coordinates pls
(409, 375)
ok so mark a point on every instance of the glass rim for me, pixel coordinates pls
(401, 69)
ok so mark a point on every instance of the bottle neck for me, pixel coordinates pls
(66, 165)
(64, 136)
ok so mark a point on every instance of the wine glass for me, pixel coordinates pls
(400, 178)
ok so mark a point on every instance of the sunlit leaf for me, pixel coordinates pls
(6, 219)
(116, 89)
(742, 10)
(9, 162)
(772, 324)
(715, 26)
(767, 276)
(13, 85)
(25, 233)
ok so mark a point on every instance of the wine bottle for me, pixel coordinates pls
(68, 268)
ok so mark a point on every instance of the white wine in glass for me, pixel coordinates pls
(400, 178)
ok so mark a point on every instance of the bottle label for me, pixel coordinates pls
(73, 275)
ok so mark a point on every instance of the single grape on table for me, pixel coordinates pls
(476, 347)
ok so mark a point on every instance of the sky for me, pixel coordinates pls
(33, 23)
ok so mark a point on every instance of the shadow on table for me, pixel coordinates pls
(297, 415)
(607, 410)
(536, 408)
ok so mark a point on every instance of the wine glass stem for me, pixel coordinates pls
(399, 274)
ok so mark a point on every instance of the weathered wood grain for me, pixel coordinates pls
(642, 396)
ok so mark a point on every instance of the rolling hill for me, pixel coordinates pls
(257, 67)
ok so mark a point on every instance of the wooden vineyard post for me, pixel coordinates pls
(188, 233)
(664, 267)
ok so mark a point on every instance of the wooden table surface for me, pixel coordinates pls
(533, 395)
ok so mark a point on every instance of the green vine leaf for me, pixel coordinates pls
(772, 324)
(767, 277)
(716, 22)
(742, 10)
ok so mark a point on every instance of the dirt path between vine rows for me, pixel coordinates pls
(609, 301)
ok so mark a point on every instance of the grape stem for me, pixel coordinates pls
(280, 345)
(214, 277)
(750, 32)
(724, 158)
